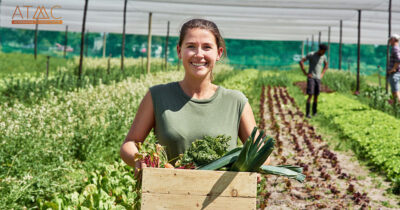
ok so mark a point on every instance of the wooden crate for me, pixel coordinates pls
(195, 189)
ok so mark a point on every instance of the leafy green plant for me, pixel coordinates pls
(375, 134)
(251, 157)
(206, 150)
(50, 147)
(377, 98)
(342, 81)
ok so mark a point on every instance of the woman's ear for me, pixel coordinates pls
(220, 52)
(178, 50)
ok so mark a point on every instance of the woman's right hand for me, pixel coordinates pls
(139, 165)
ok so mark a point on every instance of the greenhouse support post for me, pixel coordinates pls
(66, 41)
(308, 46)
(104, 44)
(149, 44)
(358, 50)
(123, 37)
(36, 35)
(312, 42)
(388, 46)
(319, 38)
(329, 45)
(47, 66)
(82, 39)
(166, 48)
(87, 43)
(108, 64)
(340, 44)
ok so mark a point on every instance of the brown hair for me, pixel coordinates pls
(203, 24)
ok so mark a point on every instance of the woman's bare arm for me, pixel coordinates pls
(140, 129)
(247, 124)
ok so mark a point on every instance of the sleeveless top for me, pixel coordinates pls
(180, 119)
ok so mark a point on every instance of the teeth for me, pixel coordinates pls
(199, 64)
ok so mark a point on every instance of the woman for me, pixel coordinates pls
(183, 111)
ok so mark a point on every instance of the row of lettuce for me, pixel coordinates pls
(367, 120)
(375, 135)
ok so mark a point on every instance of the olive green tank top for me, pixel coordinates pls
(180, 119)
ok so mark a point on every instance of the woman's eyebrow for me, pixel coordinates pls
(204, 43)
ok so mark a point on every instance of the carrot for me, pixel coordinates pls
(168, 165)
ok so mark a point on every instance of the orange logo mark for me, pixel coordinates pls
(39, 17)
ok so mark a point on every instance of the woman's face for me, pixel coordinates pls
(199, 52)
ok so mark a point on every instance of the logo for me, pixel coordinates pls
(41, 15)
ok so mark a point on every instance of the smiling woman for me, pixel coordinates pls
(181, 112)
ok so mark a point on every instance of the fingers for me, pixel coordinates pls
(139, 165)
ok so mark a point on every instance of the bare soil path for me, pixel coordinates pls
(334, 180)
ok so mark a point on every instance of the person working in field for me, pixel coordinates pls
(315, 73)
(394, 67)
(183, 111)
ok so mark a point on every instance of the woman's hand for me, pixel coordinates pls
(139, 166)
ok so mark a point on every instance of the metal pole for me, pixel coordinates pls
(358, 51)
(149, 44)
(87, 43)
(302, 49)
(166, 48)
(329, 46)
(308, 46)
(379, 76)
(47, 66)
(312, 42)
(388, 47)
(108, 64)
(82, 39)
(123, 38)
(104, 44)
(319, 38)
(66, 42)
(340, 44)
(36, 35)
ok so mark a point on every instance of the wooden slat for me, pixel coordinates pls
(197, 182)
(188, 202)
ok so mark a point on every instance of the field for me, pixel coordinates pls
(60, 137)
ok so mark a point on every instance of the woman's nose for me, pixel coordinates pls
(199, 52)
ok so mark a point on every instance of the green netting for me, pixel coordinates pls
(277, 55)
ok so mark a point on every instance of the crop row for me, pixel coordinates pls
(328, 183)
(375, 134)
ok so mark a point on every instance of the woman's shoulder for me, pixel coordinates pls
(233, 94)
(162, 87)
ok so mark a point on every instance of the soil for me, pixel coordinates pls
(303, 86)
(334, 180)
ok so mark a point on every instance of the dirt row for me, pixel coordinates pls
(334, 180)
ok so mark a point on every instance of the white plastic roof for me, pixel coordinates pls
(239, 19)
